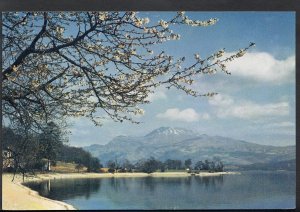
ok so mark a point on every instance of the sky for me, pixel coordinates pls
(256, 103)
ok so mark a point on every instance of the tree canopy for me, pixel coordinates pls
(93, 64)
(28, 151)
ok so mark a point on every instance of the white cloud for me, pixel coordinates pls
(286, 128)
(227, 107)
(284, 124)
(186, 115)
(252, 110)
(221, 100)
(157, 95)
(262, 66)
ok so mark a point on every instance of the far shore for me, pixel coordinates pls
(16, 196)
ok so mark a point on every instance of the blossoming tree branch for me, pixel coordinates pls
(59, 64)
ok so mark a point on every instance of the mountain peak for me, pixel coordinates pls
(166, 131)
(179, 143)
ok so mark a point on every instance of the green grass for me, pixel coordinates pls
(175, 170)
(62, 167)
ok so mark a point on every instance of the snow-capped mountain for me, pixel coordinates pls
(167, 131)
(178, 143)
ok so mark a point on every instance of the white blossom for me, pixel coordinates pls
(146, 20)
(102, 16)
(140, 111)
(220, 53)
(138, 22)
(60, 30)
(240, 53)
(181, 13)
(197, 56)
(163, 23)
(133, 14)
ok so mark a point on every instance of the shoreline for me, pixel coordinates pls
(16, 196)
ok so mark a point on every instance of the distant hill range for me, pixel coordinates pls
(288, 165)
(178, 143)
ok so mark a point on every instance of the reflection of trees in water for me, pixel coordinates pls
(69, 188)
(210, 182)
(45, 188)
(188, 181)
(125, 184)
(115, 184)
(166, 193)
(64, 189)
(150, 183)
(147, 183)
(118, 184)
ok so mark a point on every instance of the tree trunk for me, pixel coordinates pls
(48, 165)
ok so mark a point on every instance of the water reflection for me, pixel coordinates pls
(250, 190)
(66, 188)
(215, 182)
(149, 183)
(45, 188)
(70, 188)
(188, 181)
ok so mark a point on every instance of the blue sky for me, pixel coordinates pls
(256, 103)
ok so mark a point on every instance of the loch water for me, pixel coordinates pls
(248, 190)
